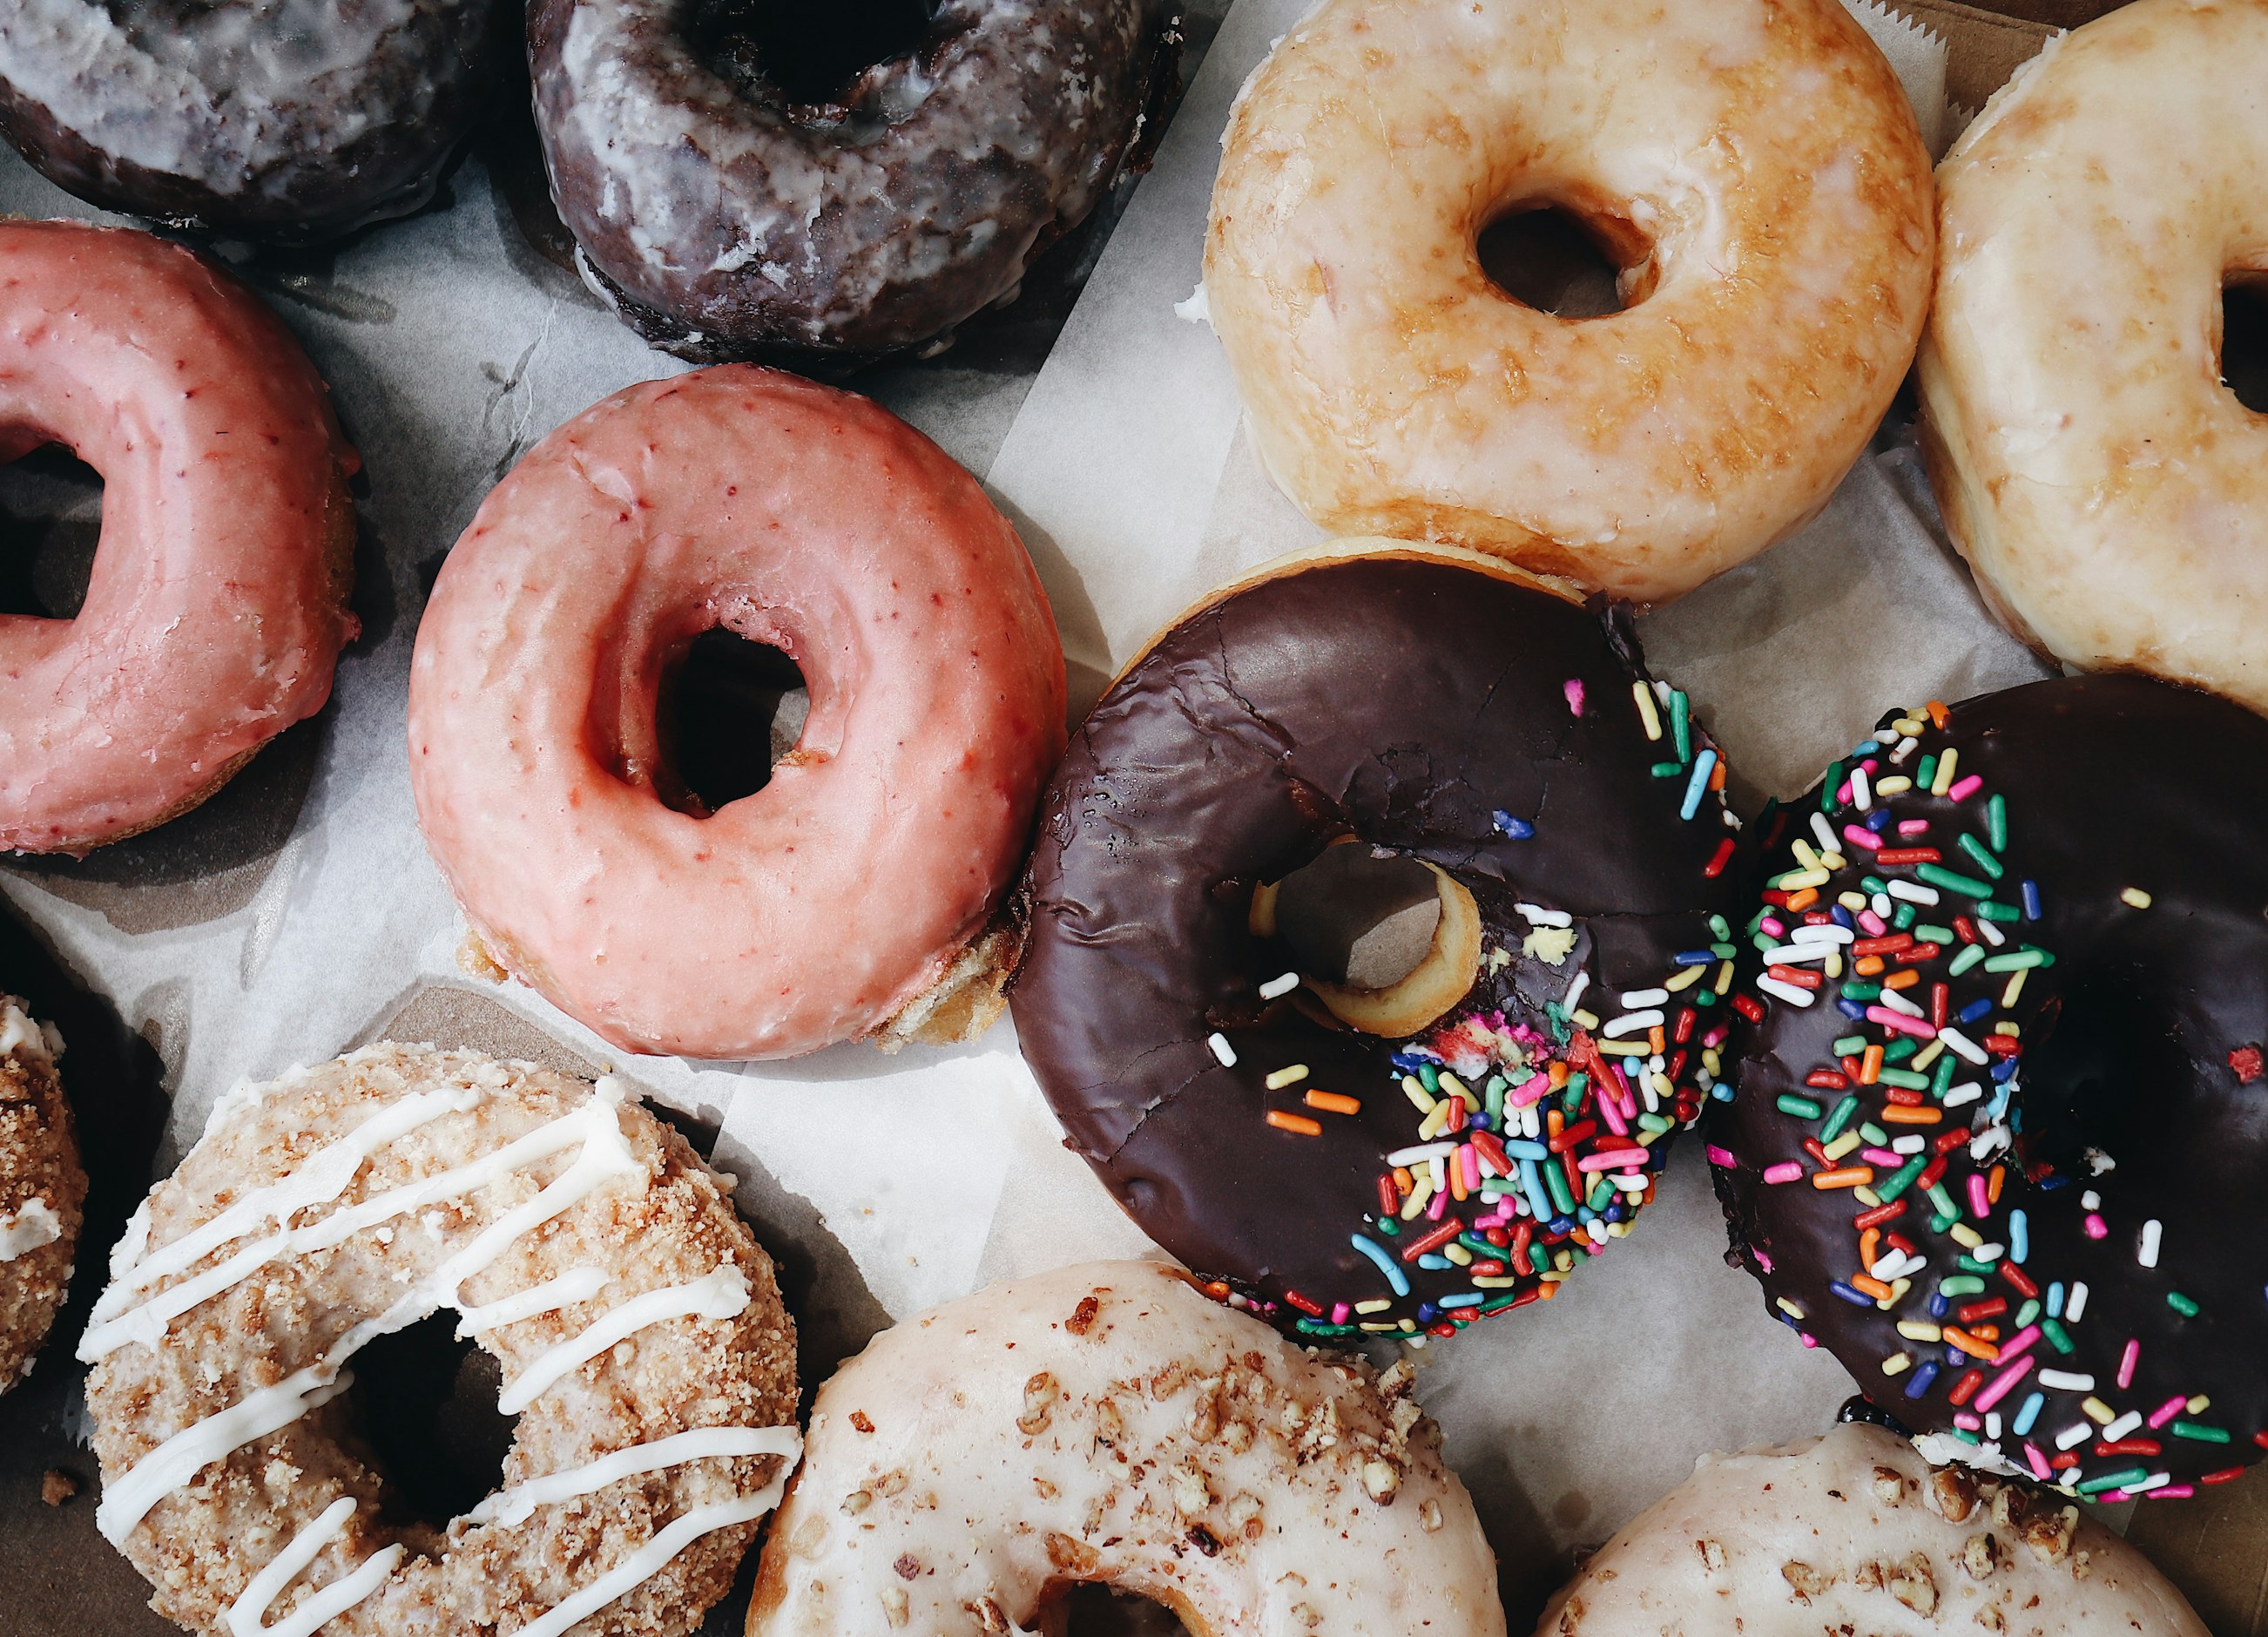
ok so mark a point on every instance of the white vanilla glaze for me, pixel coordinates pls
(25, 1230)
(576, 1284)
(517, 1503)
(23, 1037)
(195, 1447)
(641, 1566)
(247, 1613)
(723, 1294)
(2111, 492)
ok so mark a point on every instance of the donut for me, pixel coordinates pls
(796, 516)
(2002, 1112)
(1107, 1424)
(1354, 1146)
(1855, 1531)
(741, 180)
(1752, 167)
(2109, 489)
(218, 604)
(42, 1187)
(297, 120)
(585, 1247)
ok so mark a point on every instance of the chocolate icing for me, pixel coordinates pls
(297, 120)
(724, 218)
(2110, 782)
(1415, 704)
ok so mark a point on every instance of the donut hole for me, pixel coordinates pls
(423, 1406)
(730, 709)
(2101, 1037)
(1386, 942)
(2244, 340)
(1568, 263)
(50, 523)
(810, 57)
(1092, 1610)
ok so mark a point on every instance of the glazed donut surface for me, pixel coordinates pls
(216, 607)
(42, 1188)
(846, 889)
(2001, 1125)
(1757, 165)
(584, 1245)
(1107, 1423)
(2111, 492)
(1441, 706)
(1855, 1531)
(717, 215)
(296, 119)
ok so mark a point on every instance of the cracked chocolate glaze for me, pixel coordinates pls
(2140, 1041)
(278, 119)
(1411, 701)
(721, 219)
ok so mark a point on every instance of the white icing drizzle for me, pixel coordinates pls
(514, 1505)
(605, 1154)
(576, 1284)
(322, 1178)
(25, 1230)
(721, 1295)
(25, 1040)
(316, 1611)
(649, 1559)
(188, 1452)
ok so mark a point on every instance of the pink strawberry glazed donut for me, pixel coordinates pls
(216, 607)
(853, 894)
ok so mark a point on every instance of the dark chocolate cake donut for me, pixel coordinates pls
(1347, 1138)
(285, 119)
(2001, 1137)
(759, 176)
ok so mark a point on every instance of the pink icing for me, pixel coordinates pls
(792, 514)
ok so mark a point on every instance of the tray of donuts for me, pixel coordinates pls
(742, 740)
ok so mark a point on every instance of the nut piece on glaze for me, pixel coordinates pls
(2110, 490)
(722, 218)
(290, 120)
(860, 884)
(218, 603)
(1855, 1531)
(1761, 169)
(1108, 1424)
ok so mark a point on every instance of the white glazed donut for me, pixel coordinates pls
(1856, 1532)
(1758, 173)
(1108, 1423)
(2111, 493)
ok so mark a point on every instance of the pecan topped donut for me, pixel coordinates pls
(732, 188)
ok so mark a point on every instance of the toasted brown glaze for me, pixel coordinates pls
(1423, 705)
(2130, 1060)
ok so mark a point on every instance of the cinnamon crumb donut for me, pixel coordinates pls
(42, 1187)
(1856, 1532)
(1109, 1424)
(643, 1345)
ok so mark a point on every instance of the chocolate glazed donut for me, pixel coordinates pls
(295, 119)
(1440, 707)
(2008, 1166)
(740, 181)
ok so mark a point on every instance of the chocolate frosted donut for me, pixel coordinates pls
(739, 179)
(292, 119)
(2007, 1165)
(1343, 1160)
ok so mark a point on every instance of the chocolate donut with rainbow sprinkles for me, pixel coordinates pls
(2002, 1120)
(581, 1242)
